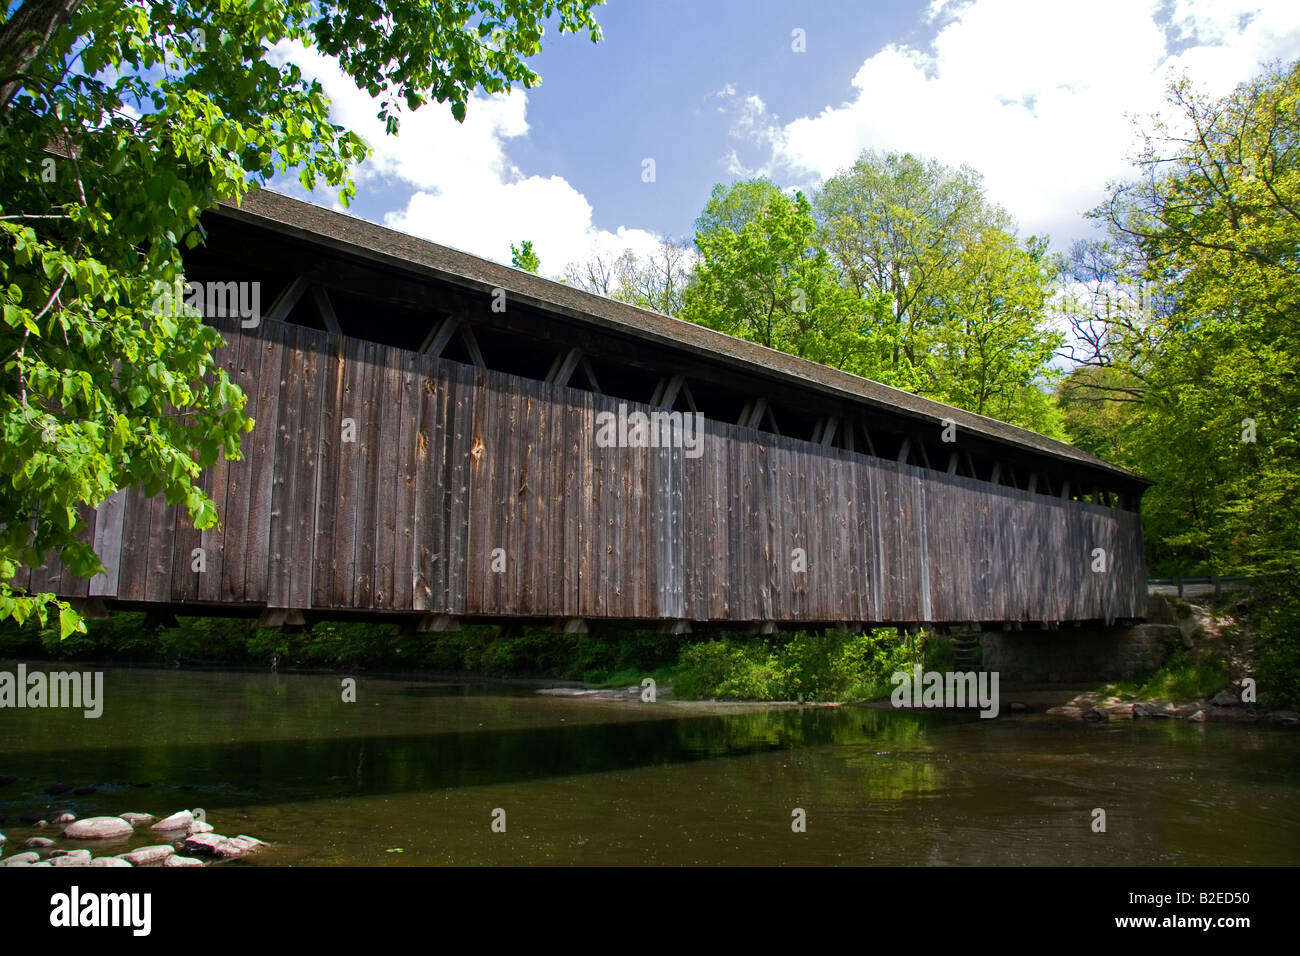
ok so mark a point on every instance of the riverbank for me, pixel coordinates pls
(1224, 649)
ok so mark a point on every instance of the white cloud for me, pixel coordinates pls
(466, 191)
(1038, 97)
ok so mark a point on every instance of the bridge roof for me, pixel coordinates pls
(357, 237)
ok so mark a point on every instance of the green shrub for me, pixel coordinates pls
(832, 665)
(1277, 661)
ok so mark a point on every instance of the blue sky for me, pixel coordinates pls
(657, 74)
(1038, 97)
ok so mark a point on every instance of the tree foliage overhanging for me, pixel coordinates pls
(1190, 331)
(120, 123)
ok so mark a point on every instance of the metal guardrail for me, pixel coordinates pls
(1183, 586)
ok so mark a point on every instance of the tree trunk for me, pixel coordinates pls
(23, 39)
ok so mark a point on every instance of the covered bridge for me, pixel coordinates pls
(429, 443)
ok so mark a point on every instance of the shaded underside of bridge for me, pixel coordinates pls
(427, 445)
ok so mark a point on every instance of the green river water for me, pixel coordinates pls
(411, 773)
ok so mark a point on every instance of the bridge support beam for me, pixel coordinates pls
(438, 623)
(1084, 656)
(281, 617)
(160, 618)
(92, 609)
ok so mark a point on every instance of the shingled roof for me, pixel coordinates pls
(359, 238)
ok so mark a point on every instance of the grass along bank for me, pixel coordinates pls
(1252, 636)
(790, 665)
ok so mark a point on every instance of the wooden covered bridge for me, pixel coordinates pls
(429, 443)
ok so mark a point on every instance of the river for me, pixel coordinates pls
(413, 770)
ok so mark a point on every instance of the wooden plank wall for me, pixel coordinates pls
(377, 478)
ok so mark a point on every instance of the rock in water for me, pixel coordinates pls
(181, 861)
(59, 819)
(177, 821)
(149, 854)
(1226, 698)
(204, 842)
(72, 858)
(199, 826)
(109, 861)
(22, 859)
(1199, 717)
(37, 842)
(138, 819)
(237, 846)
(1096, 713)
(1152, 709)
(97, 828)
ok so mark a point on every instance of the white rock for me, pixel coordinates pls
(109, 861)
(175, 860)
(177, 821)
(138, 819)
(97, 828)
(199, 826)
(72, 858)
(149, 854)
(204, 842)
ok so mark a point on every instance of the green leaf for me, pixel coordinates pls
(69, 622)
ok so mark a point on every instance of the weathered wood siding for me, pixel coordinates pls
(452, 462)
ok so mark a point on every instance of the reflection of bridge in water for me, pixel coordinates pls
(427, 447)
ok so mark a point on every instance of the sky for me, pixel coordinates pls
(1043, 98)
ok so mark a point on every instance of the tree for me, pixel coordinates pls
(1201, 380)
(964, 319)
(992, 341)
(762, 276)
(524, 257)
(656, 281)
(120, 124)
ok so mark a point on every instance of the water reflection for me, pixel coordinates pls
(420, 765)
